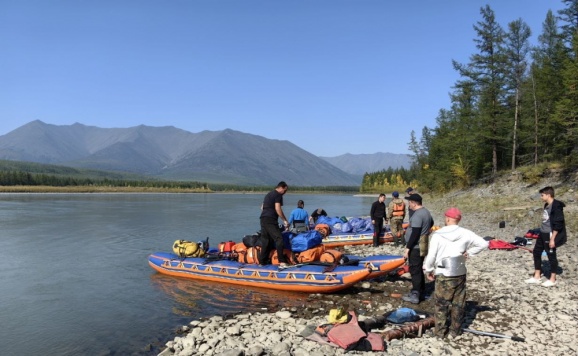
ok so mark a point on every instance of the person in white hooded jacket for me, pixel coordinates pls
(445, 263)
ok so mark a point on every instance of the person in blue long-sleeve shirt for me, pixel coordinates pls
(299, 219)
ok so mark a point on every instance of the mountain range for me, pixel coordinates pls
(169, 153)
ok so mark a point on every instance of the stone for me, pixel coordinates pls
(283, 314)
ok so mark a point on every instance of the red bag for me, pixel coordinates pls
(501, 245)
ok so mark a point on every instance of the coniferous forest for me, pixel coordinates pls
(513, 105)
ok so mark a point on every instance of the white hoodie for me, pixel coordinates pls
(451, 241)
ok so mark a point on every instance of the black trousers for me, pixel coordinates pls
(415, 262)
(542, 243)
(377, 227)
(271, 238)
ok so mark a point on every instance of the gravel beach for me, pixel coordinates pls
(498, 299)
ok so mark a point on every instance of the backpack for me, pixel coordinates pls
(252, 240)
(184, 248)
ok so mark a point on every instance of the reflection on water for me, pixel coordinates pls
(194, 298)
(74, 274)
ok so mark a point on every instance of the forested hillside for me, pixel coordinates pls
(514, 104)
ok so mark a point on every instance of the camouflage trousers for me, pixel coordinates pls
(395, 225)
(450, 302)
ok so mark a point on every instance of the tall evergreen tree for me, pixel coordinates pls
(569, 17)
(487, 71)
(546, 74)
(566, 115)
(516, 49)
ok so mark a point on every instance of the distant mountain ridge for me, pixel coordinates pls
(225, 156)
(359, 164)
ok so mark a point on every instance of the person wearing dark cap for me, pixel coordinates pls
(409, 191)
(446, 264)
(416, 248)
(377, 214)
(316, 214)
(395, 215)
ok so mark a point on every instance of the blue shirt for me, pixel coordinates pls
(299, 214)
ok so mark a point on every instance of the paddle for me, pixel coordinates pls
(514, 338)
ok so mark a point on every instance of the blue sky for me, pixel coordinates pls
(331, 76)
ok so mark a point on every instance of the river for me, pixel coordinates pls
(74, 275)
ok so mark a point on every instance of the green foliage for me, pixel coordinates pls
(507, 109)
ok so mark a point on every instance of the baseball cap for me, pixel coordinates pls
(453, 213)
(395, 194)
(415, 197)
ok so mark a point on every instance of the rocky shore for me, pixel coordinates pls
(498, 300)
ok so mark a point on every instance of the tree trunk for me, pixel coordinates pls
(535, 122)
(515, 129)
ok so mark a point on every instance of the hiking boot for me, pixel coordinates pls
(454, 333)
(411, 297)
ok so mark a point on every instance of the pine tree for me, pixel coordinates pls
(487, 71)
(546, 77)
(517, 49)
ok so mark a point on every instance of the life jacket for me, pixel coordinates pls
(251, 256)
(226, 246)
(239, 247)
(275, 260)
(351, 336)
(185, 248)
(398, 208)
(310, 255)
(331, 256)
(323, 229)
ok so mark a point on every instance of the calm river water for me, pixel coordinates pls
(74, 277)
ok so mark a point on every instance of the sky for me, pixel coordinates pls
(331, 76)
